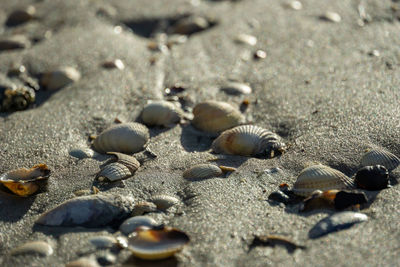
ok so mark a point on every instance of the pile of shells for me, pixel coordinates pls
(161, 113)
(122, 167)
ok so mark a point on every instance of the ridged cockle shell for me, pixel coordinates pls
(204, 171)
(162, 113)
(380, 157)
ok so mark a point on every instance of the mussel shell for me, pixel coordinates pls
(248, 140)
(162, 113)
(372, 178)
(155, 244)
(320, 177)
(380, 157)
(114, 172)
(128, 161)
(202, 171)
(127, 138)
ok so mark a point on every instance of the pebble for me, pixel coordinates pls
(14, 42)
(103, 241)
(260, 54)
(130, 225)
(295, 5)
(246, 39)
(57, 79)
(21, 16)
(236, 88)
(36, 247)
(331, 16)
(114, 64)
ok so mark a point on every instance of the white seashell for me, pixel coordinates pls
(57, 79)
(115, 171)
(215, 116)
(103, 241)
(144, 207)
(204, 171)
(128, 161)
(235, 88)
(162, 113)
(36, 247)
(114, 64)
(164, 202)
(246, 39)
(295, 5)
(380, 157)
(81, 153)
(320, 177)
(127, 138)
(14, 42)
(331, 16)
(248, 140)
(131, 224)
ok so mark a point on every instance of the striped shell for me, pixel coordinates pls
(216, 116)
(380, 157)
(204, 171)
(128, 161)
(127, 138)
(162, 113)
(320, 177)
(248, 140)
(114, 172)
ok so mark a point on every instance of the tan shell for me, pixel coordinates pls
(162, 113)
(380, 157)
(128, 161)
(57, 79)
(114, 172)
(248, 140)
(144, 207)
(204, 171)
(127, 138)
(320, 177)
(164, 202)
(215, 116)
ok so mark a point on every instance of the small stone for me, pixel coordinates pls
(374, 53)
(236, 88)
(57, 79)
(131, 224)
(190, 25)
(103, 241)
(114, 64)
(260, 54)
(246, 39)
(295, 5)
(14, 42)
(21, 16)
(36, 247)
(331, 16)
(106, 259)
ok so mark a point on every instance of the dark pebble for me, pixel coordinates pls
(372, 178)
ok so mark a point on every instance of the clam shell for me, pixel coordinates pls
(164, 202)
(202, 171)
(114, 171)
(89, 211)
(320, 177)
(215, 116)
(155, 244)
(131, 224)
(57, 79)
(235, 88)
(36, 247)
(162, 113)
(380, 157)
(372, 178)
(128, 161)
(336, 222)
(248, 140)
(127, 138)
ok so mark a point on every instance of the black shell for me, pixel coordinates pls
(372, 178)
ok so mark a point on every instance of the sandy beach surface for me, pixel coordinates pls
(331, 90)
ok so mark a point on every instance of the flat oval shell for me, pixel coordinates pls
(131, 224)
(89, 211)
(235, 88)
(154, 244)
(127, 138)
(380, 157)
(248, 140)
(81, 153)
(215, 116)
(103, 241)
(202, 171)
(128, 161)
(36, 247)
(59, 78)
(336, 222)
(114, 172)
(320, 177)
(162, 113)
(164, 202)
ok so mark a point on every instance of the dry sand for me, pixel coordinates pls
(318, 88)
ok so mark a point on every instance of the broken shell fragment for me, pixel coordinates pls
(372, 178)
(25, 182)
(144, 207)
(155, 244)
(164, 202)
(84, 262)
(216, 116)
(333, 199)
(114, 171)
(36, 247)
(162, 113)
(204, 171)
(235, 88)
(14, 42)
(128, 161)
(127, 138)
(248, 140)
(54, 80)
(131, 224)
(320, 177)
(89, 211)
(336, 222)
(21, 16)
(380, 157)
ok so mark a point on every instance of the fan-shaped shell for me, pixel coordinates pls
(248, 140)
(380, 157)
(164, 202)
(127, 138)
(320, 177)
(115, 171)
(128, 161)
(202, 171)
(162, 113)
(216, 116)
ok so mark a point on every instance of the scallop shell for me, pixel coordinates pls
(320, 177)
(216, 116)
(127, 138)
(380, 157)
(162, 113)
(57, 79)
(114, 172)
(128, 161)
(248, 140)
(155, 244)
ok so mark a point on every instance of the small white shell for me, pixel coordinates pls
(248, 140)
(115, 171)
(331, 16)
(246, 39)
(114, 64)
(36, 247)
(144, 207)
(161, 113)
(128, 161)
(216, 116)
(235, 88)
(320, 177)
(131, 224)
(127, 138)
(57, 79)
(295, 5)
(164, 202)
(380, 157)
(202, 171)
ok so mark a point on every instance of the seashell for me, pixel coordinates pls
(380, 157)
(21, 16)
(372, 178)
(274, 240)
(295, 5)
(127, 138)
(260, 54)
(81, 153)
(25, 182)
(114, 64)
(164, 202)
(162, 113)
(36, 247)
(17, 99)
(332, 199)
(204, 171)
(89, 211)
(320, 177)
(114, 172)
(216, 116)
(131, 224)
(57, 79)
(84, 262)
(155, 244)
(103, 241)
(235, 88)
(336, 222)
(144, 207)
(14, 42)
(248, 140)
(189, 25)
(246, 39)
(128, 161)
(331, 17)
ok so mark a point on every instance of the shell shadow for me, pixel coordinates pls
(133, 261)
(231, 161)
(14, 207)
(57, 231)
(193, 140)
